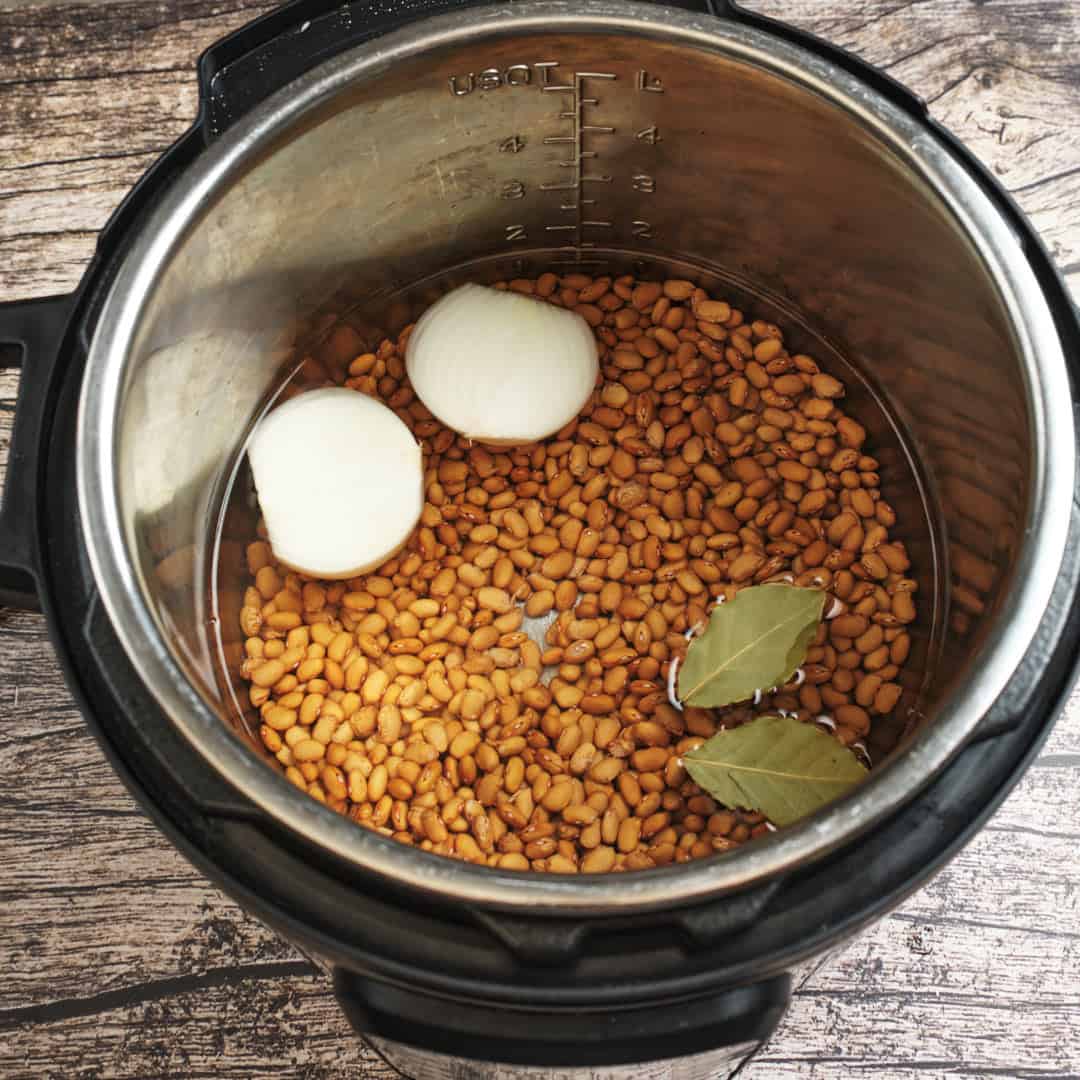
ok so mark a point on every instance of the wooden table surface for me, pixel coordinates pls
(119, 960)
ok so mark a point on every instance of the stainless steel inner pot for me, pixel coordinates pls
(472, 143)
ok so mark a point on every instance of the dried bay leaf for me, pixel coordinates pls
(753, 642)
(775, 765)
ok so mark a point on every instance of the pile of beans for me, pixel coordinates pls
(708, 459)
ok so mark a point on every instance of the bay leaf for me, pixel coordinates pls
(753, 642)
(775, 765)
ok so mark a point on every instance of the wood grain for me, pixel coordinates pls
(244, 1024)
(121, 961)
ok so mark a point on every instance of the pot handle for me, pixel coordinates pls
(36, 328)
(731, 1023)
(241, 70)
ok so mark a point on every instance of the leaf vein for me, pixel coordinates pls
(777, 773)
(709, 676)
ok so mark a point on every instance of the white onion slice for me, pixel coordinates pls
(340, 482)
(500, 367)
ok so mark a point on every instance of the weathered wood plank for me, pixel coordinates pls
(1003, 75)
(921, 995)
(238, 1023)
(140, 968)
(88, 860)
(64, 168)
(895, 1036)
(1033, 34)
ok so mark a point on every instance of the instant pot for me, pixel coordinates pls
(349, 158)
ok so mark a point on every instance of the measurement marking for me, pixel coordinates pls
(580, 128)
(649, 84)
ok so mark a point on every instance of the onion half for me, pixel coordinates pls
(500, 367)
(340, 482)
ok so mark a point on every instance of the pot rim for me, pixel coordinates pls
(120, 581)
